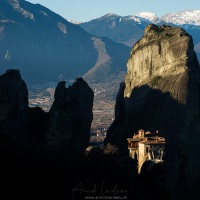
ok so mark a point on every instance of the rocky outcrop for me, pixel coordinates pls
(116, 134)
(70, 117)
(162, 92)
(18, 122)
(94, 153)
(66, 127)
(163, 51)
(37, 125)
(13, 106)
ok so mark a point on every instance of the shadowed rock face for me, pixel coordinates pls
(66, 127)
(13, 106)
(162, 92)
(18, 122)
(70, 117)
(116, 134)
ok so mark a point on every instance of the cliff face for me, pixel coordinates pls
(70, 117)
(162, 92)
(162, 52)
(13, 106)
(116, 134)
(162, 62)
(65, 128)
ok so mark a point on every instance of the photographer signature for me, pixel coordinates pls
(102, 190)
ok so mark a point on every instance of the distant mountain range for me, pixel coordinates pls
(129, 29)
(183, 18)
(126, 30)
(189, 20)
(46, 47)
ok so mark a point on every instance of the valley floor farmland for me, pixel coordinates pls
(103, 109)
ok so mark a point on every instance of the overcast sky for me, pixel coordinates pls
(85, 10)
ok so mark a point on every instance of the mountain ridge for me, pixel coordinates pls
(110, 26)
(45, 46)
(129, 29)
(191, 17)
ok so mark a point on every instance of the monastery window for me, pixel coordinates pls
(131, 145)
(147, 149)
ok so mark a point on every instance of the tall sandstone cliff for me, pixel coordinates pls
(162, 91)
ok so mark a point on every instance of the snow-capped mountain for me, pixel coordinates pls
(129, 29)
(139, 18)
(73, 21)
(188, 20)
(151, 17)
(188, 17)
(123, 29)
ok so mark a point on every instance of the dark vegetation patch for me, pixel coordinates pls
(155, 80)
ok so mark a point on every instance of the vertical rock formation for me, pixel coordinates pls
(66, 127)
(13, 106)
(162, 92)
(70, 117)
(116, 134)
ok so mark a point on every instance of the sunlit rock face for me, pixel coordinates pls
(162, 65)
(162, 92)
(163, 51)
(70, 117)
